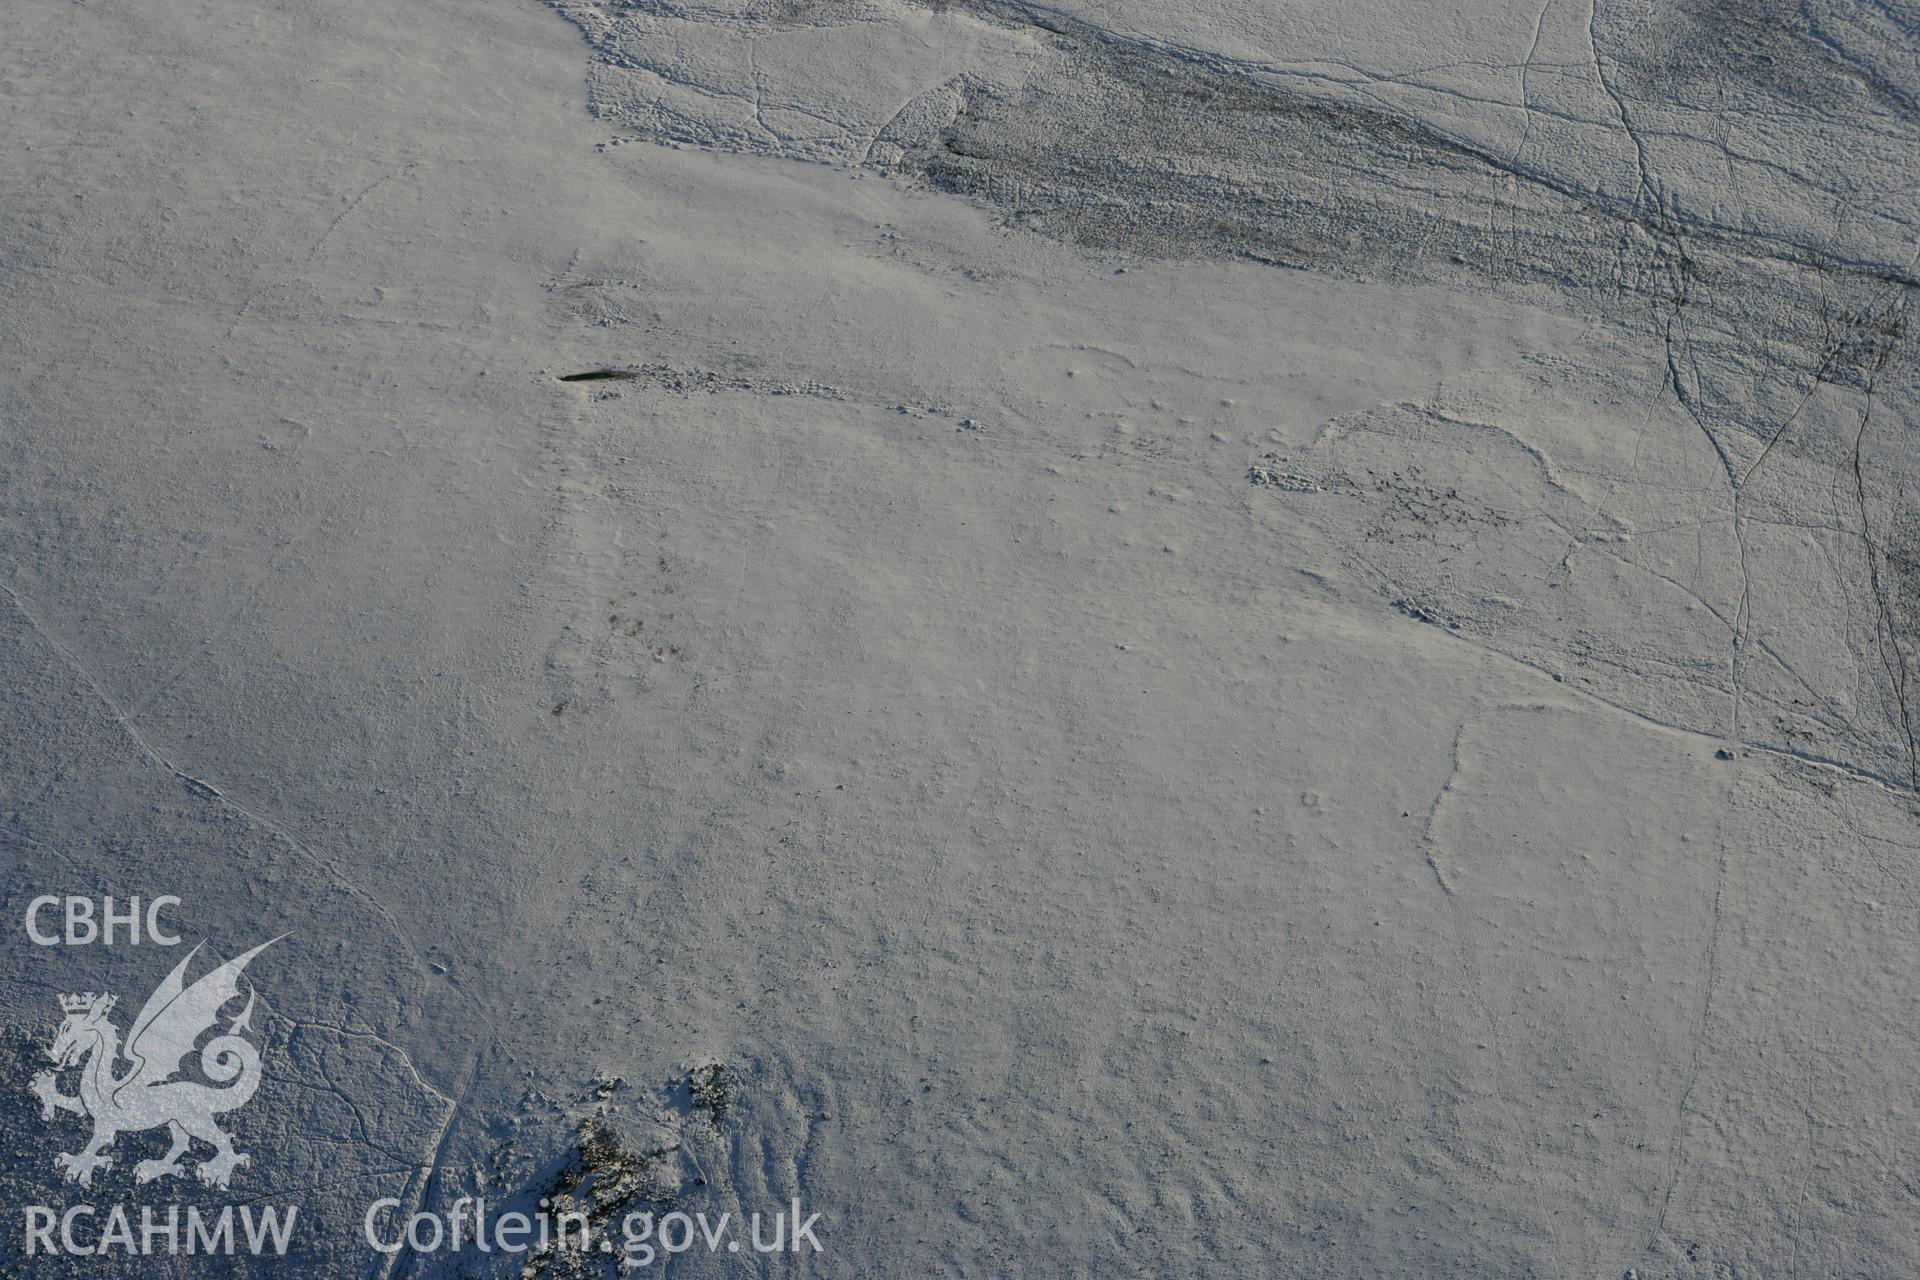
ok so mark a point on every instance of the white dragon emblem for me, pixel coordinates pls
(148, 1095)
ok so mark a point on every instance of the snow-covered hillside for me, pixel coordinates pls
(1234, 639)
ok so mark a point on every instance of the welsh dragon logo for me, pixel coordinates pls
(148, 1095)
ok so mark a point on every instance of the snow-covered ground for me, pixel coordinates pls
(1208, 640)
